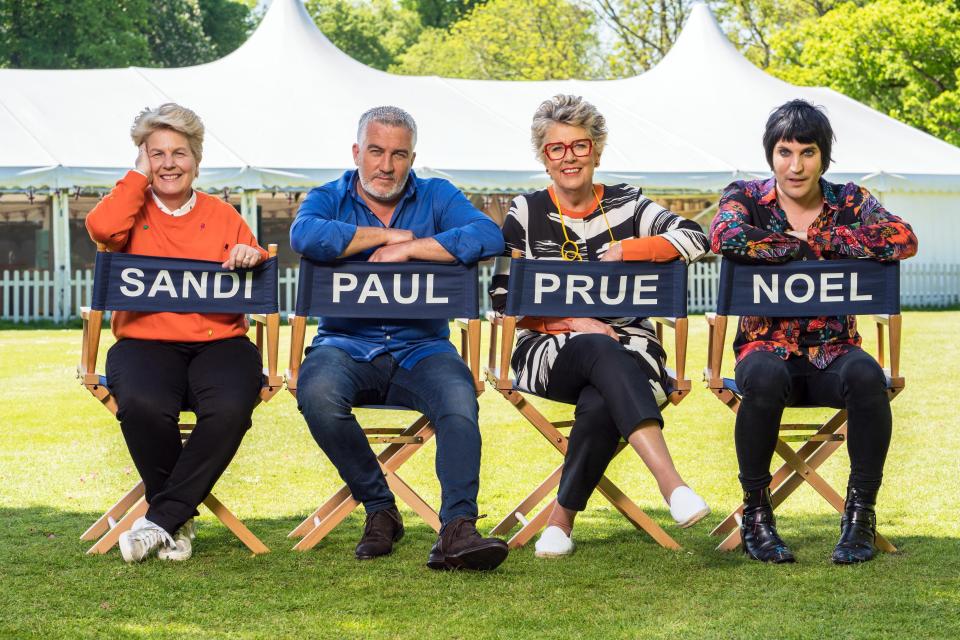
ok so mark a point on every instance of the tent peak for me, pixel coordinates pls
(287, 32)
(703, 48)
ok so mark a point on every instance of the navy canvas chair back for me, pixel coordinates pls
(597, 289)
(129, 282)
(803, 288)
(390, 290)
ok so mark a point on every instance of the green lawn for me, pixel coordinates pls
(62, 461)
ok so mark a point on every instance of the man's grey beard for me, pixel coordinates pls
(389, 196)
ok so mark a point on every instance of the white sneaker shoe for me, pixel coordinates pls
(553, 543)
(182, 544)
(686, 507)
(143, 539)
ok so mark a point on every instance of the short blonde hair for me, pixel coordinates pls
(174, 117)
(570, 110)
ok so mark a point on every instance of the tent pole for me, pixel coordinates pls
(60, 230)
(248, 210)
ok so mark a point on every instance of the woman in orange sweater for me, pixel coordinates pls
(163, 362)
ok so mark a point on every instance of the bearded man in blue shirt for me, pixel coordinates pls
(382, 212)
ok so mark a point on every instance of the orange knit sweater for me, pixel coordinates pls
(128, 220)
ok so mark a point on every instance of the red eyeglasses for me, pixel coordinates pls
(558, 150)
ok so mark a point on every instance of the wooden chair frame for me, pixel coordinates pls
(821, 441)
(132, 505)
(499, 378)
(402, 443)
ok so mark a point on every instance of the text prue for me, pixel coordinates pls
(802, 287)
(610, 290)
(401, 288)
(186, 284)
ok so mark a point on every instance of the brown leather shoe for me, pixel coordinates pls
(460, 546)
(380, 531)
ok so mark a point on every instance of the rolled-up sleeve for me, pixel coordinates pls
(315, 233)
(464, 231)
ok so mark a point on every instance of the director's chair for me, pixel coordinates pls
(107, 280)
(316, 298)
(741, 294)
(670, 311)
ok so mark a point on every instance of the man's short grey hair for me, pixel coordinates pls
(390, 116)
(569, 110)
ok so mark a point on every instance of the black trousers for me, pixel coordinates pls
(612, 393)
(152, 382)
(854, 382)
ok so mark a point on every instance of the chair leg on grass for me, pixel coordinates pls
(114, 513)
(233, 523)
(111, 537)
(528, 503)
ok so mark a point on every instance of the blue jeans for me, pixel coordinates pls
(440, 387)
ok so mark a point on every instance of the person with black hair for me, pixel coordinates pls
(797, 215)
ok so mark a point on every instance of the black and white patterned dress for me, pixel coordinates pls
(534, 227)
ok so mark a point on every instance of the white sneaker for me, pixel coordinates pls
(686, 507)
(143, 539)
(182, 544)
(553, 543)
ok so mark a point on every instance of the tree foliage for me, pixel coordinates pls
(901, 57)
(509, 40)
(374, 32)
(82, 34)
(440, 14)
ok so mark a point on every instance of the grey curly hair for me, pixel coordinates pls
(174, 117)
(571, 110)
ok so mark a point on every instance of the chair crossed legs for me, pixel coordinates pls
(821, 441)
(499, 378)
(402, 443)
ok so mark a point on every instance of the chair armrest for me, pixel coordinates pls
(462, 323)
(85, 313)
(259, 318)
(667, 322)
(710, 317)
(881, 318)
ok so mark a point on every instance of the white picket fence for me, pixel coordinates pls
(30, 295)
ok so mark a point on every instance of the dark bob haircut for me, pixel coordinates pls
(799, 121)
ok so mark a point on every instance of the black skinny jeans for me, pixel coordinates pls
(853, 381)
(152, 382)
(613, 396)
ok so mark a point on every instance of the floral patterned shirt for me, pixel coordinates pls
(751, 227)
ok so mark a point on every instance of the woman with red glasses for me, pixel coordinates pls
(612, 369)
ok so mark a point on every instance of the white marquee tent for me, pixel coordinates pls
(281, 110)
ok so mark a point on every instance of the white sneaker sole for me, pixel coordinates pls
(695, 518)
(552, 554)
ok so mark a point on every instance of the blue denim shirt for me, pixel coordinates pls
(431, 208)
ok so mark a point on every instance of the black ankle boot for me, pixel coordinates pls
(858, 528)
(758, 530)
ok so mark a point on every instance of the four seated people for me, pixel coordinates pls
(612, 369)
